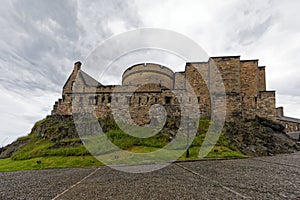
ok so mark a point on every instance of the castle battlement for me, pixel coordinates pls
(244, 82)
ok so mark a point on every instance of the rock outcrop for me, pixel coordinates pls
(260, 137)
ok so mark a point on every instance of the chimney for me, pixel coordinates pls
(77, 65)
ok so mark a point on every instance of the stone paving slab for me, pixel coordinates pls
(253, 178)
(39, 184)
(275, 177)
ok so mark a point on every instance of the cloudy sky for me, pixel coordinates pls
(40, 41)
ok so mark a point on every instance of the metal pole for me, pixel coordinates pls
(187, 155)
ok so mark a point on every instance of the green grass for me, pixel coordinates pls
(8, 164)
(78, 156)
(28, 137)
(41, 148)
(224, 152)
(125, 141)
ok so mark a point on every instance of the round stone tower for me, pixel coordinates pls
(141, 74)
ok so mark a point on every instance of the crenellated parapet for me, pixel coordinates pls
(148, 84)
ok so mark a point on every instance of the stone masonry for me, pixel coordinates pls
(147, 84)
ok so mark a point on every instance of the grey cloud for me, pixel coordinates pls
(39, 41)
(52, 37)
(30, 48)
(252, 34)
(61, 12)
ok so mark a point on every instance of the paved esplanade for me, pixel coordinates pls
(256, 178)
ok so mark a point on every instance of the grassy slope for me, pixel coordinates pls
(77, 156)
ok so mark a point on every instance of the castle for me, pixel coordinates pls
(244, 82)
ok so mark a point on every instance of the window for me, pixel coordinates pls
(296, 128)
(96, 100)
(128, 98)
(198, 98)
(286, 125)
(92, 100)
(168, 100)
(72, 100)
(140, 99)
(254, 104)
(103, 99)
(109, 99)
(155, 99)
(147, 99)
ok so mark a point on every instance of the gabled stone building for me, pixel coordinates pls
(244, 82)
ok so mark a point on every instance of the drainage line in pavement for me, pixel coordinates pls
(59, 195)
(215, 182)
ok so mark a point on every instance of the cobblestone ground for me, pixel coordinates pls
(256, 178)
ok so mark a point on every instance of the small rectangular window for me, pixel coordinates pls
(168, 100)
(128, 98)
(92, 100)
(96, 100)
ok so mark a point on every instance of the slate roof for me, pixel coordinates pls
(88, 80)
(289, 119)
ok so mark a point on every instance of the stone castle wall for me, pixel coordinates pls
(145, 85)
